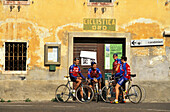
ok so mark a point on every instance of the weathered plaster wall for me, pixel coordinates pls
(51, 20)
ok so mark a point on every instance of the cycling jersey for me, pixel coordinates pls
(124, 71)
(74, 70)
(94, 73)
(115, 64)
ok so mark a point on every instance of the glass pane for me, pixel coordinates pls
(52, 54)
(24, 64)
(11, 49)
(24, 49)
(6, 49)
(15, 50)
(6, 63)
(20, 63)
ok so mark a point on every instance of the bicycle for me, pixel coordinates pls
(64, 92)
(133, 93)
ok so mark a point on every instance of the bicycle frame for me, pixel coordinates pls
(129, 86)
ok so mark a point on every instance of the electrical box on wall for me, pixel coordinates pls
(52, 54)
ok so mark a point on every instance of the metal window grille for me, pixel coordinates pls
(15, 56)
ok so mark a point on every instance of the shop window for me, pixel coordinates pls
(16, 2)
(15, 56)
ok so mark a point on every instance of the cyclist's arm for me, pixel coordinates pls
(71, 72)
(119, 74)
(119, 62)
(117, 67)
(127, 70)
(89, 71)
(81, 74)
(100, 75)
(112, 68)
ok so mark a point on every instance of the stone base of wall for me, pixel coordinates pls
(36, 90)
(156, 91)
(40, 90)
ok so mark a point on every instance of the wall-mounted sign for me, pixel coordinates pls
(166, 33)
(16, 2)
(110, 49)
(99, 24)
(147, 42)
(87, 57)
(52, 54)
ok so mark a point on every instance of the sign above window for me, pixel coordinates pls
(100, 2)
(16, 2)
(99, 24)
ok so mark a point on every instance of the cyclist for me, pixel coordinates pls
(124, 73)
(116, 64)
(95, 76)
(74, 70)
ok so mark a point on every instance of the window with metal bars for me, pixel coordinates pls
(15, 56)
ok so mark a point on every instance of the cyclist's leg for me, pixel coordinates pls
(74, 82)
(81, 92)
(74, 85)
(117, 91)
(123, 86)
(99, 83)
(78, 82)
(100, 86)
(90, 85)
(119, 83)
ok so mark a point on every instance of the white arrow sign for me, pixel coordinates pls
(147, 42)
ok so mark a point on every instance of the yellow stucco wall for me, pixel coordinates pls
(48, 20)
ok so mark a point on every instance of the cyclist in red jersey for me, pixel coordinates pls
(116, 64)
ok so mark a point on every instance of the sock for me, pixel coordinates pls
(100, 90)
(88, 98)
(116, 100)
(124, 100)
(74, 91)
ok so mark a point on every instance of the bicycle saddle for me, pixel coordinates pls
(66, 76)
(132, 75)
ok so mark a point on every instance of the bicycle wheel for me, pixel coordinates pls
(143, 93)
(62, 93)
(97, 97)
(120, 98)
(135, 94)
(108, 93)
(85, 90)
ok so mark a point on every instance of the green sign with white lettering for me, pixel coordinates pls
(99, 24)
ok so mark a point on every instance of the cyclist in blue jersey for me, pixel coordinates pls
(74, 72)
(124, 74)
(94, 74)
